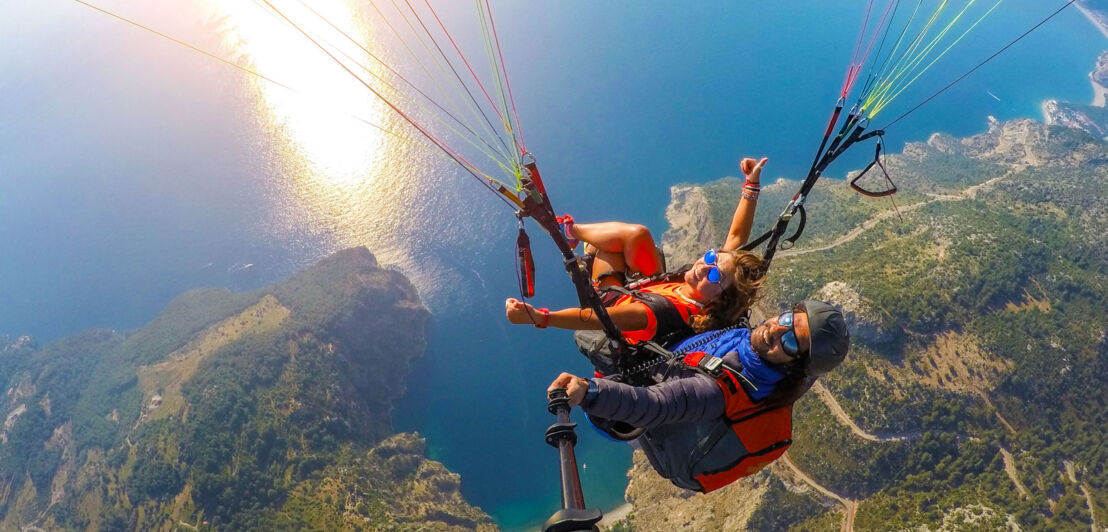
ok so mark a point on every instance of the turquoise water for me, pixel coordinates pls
(130, 171)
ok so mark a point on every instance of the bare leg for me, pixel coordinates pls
(620, 247)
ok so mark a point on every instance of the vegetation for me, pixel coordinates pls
(986, 379)
(260, 411)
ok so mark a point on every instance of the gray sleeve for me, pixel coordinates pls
(680, 400)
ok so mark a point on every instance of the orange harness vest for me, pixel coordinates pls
(764, 433)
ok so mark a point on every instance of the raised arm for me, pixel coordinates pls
(743, 220)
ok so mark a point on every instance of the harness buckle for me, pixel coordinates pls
(711, 365)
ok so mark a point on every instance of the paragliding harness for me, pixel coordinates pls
(749, 436)
(671, 326)
(613, 355)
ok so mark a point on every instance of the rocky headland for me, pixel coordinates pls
(1091, 118)
(955, 294)
(267, 410)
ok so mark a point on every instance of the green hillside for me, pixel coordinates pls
(979, 306)
(998, 298)
(260, 411)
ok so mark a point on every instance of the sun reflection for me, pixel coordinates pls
(318, 119)
(333, 177)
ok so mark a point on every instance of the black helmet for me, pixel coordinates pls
(830, 339)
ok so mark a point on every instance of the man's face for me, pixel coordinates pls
(766, 338)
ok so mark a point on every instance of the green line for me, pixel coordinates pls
(501, 94)
(900, 67)
(404, 95)
(940, 56)
(885, 64)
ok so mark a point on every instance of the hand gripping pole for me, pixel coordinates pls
(573, 517)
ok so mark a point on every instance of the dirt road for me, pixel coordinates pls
(967, 193)
(837, 409)
(850, 507)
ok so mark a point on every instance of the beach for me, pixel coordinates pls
(1099, 19)
(1100, 94)
(612, 517)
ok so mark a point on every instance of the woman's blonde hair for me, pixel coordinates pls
(736, 299)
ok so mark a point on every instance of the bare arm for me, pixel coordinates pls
(632, 317)
(743, 220)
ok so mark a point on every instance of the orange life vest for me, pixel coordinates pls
(763, 433)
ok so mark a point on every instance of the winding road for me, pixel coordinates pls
(967, 193)
(850, 506)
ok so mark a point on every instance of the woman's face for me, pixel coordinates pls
(701, 287)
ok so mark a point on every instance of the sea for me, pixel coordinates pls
(134, 167)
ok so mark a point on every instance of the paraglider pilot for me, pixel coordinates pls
(725, 411)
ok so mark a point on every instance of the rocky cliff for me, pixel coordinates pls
(959, 296)
(260, 411)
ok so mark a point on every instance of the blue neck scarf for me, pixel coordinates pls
(760, 372)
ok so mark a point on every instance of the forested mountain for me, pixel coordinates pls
(973, 398)
(260, 411)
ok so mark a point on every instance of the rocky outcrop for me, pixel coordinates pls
(1092, 119)
(1073, 116)
(659, 506)
(691, 230)
(258, 411)
(865, 322)
(8, 344)
(393, 486)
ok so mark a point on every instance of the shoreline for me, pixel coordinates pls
(614, 516)
(1100, 21)
(1100, 94)
(1093, 17)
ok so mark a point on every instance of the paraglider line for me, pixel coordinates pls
(458, 158)
(236, 66)
(393, 71)
(507, 80)
(464, 60)
(981, 64)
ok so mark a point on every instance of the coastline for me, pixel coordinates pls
(1100, 94)
(1095, 18)
(614, 516)
(1100, 21)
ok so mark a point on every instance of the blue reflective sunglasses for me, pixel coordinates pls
(714, 274)
(789, 342)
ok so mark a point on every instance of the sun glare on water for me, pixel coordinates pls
(319, 119)
(353, 181)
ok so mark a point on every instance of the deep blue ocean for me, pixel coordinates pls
(132, 169)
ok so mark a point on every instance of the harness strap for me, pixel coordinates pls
(723, 373)
(670, 324)
(891, 189)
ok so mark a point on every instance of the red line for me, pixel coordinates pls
(876, 32)
(507, 80)
(453, 155)
(851, 73)
(460, 54)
